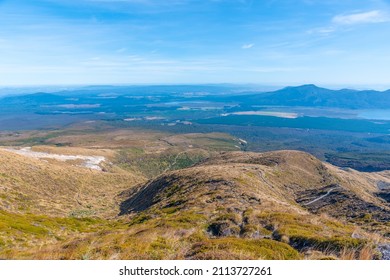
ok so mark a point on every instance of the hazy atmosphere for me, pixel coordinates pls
(285, 42)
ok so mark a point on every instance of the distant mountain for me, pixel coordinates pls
(32, 100)
(313, 96)
(117, 98)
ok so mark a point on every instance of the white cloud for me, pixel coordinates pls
(129, 1)
(275, 69)
(322, 30)
(247, 46)
(357, 18)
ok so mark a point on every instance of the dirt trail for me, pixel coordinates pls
(174, 162)
(321, 197)
(264, 180)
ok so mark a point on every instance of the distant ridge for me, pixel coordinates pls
(308, 95)
(312, 96)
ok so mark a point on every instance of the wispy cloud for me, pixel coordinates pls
(128, 1)
(126, 41)
(247, 46)
(143, 2)
(322, 30)
(275, 69)
(376, 16)
(340, 21)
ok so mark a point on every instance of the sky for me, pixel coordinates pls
(274, 42)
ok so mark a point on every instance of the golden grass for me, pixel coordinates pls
(32, 185)
(253, 196)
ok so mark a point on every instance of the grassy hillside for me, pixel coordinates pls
(233, 206)
(191, 196)
(30, 185)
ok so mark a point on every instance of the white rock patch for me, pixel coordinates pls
(91, 162)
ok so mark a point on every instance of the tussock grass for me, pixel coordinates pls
(232, 206)
(236, 248)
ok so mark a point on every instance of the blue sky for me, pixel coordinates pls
(275, 42)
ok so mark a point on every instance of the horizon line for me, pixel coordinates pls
(379, 87)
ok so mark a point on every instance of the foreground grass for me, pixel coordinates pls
(240, 206)
(177, 235)
(21, 231)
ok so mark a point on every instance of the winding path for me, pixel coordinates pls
(264, 180)
(174, 162)
(321, 197)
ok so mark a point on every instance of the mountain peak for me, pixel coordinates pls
(304, 87)
(308, 86)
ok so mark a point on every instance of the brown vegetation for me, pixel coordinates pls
(199, 203)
